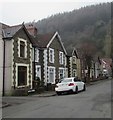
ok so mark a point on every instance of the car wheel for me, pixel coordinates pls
(76, 90)
(71, 91)
(58, 93)
(84, 89)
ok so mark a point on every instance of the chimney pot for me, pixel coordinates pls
(32, 29)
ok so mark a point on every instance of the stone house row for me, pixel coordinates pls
(27, 56)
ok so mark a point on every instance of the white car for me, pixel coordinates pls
(71, 84)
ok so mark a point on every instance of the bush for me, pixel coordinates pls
(40, 89)
(39, 85)
(49, 86)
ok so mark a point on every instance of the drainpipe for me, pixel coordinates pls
(3, 89)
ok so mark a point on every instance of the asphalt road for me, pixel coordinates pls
(95, 102)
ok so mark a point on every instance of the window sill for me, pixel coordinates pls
(36, 61)
(61, 64)
(23, 57)
(51, 83)
(51, 62)
(22, 86)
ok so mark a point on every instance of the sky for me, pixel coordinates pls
(13, 12)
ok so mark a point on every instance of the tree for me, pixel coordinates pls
(88, 53)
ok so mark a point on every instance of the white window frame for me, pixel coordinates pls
(25, 41)
(65, 60)
(74, 73)
(74, 60)
(61, 69)
(53, 82)
(38, 73)
(25, 65)
(51, 59)
(36, 55)
(61, 57)
(32, 54)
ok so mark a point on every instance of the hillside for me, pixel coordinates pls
(88, 24)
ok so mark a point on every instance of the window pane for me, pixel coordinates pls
(22, 75)
(61, 57)
(37, 55)
(61, 73)
(51, 75)
(22, 49)
(51, 55)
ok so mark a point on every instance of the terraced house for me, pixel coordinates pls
(49, 57)
(28, 57)
(17, 58)
(54, 57)
(73, 63)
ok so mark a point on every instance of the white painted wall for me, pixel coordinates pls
(1, 61)
(8, 66)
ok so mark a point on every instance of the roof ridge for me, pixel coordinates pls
(15, 25)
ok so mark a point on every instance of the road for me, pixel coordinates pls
(95, 102)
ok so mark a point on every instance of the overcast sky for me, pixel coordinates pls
(17, 12)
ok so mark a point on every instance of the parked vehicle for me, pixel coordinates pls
(72, 84)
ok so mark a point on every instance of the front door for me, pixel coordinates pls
(22, 75)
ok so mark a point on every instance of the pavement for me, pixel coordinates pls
(46, 94)
(5, 104)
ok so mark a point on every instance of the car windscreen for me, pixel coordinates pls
(65, 80)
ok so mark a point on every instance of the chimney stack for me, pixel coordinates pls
(32, 30)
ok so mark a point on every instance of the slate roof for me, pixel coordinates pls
(70, 52)
(42, 40)
(3, 25)
(34, 42)
(10, 31)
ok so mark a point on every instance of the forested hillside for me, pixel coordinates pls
(88, 24)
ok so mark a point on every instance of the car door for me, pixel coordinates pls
(80, 85)
(77, 82)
